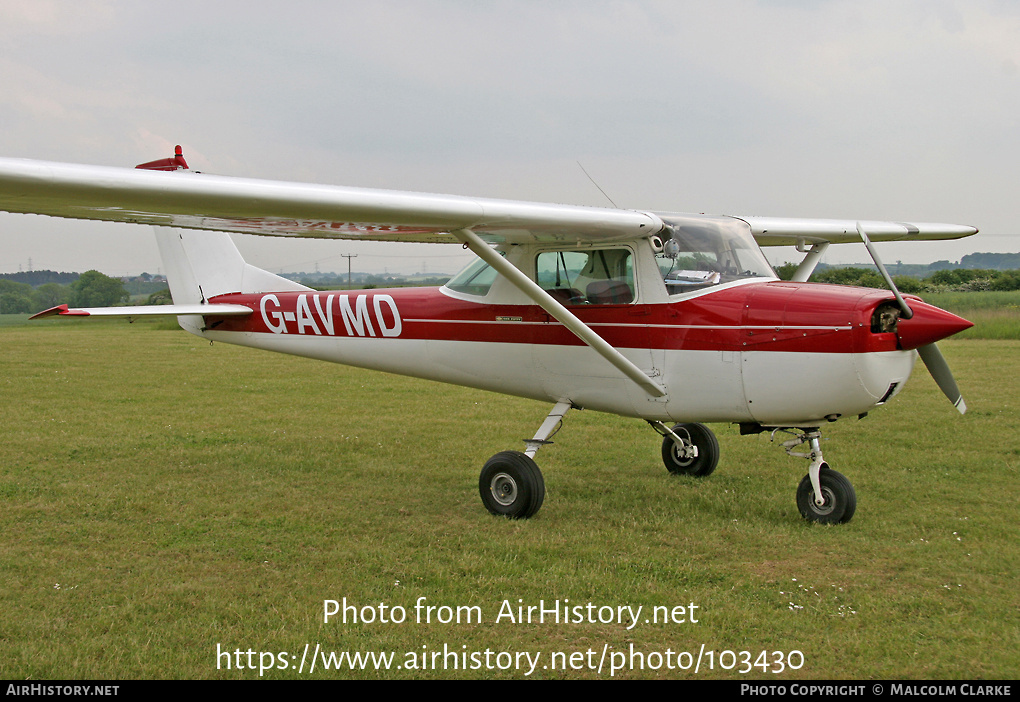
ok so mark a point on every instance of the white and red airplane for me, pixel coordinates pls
(676, 319)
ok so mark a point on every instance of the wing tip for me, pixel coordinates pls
(59, 310)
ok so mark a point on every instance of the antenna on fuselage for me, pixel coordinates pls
(597, 185)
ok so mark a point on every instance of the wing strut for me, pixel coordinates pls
(807, 266)
(560, 313)
(907, 313)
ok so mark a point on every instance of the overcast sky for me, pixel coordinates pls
(864, 109)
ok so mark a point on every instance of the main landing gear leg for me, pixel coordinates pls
(511, 485)
(824, 495)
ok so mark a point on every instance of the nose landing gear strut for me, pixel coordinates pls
(824, 495)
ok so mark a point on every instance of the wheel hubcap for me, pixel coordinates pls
(504, 489)
(681, 455)
(827, 506)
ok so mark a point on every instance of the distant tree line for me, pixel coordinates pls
(987, 261)
(90, 289)
(981, 262)
(37, 278)
(945, 280)
(997, 261)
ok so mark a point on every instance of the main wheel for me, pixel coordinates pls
(706, 443)
(511, 485)
(840, 499)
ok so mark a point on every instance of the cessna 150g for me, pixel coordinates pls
(676, 319)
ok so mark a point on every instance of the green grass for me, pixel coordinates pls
(160, 496)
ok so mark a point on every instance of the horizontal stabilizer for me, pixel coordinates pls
(214, 309)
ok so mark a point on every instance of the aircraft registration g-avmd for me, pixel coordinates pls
(676, 319)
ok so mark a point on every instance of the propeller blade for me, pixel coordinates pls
(939, 369)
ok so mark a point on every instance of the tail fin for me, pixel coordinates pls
(203, 264)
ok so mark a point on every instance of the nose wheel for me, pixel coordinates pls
(823, 496)
(839, 501)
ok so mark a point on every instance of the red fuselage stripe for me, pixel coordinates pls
(772, 316)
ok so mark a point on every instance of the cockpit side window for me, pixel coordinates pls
(588, 276)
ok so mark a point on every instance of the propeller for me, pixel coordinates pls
(936, 364)
(941, 327)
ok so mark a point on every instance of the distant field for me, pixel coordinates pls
(160, 497)
(996, 315)
(988, 300)
(13, 320)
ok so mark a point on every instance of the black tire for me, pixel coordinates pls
(511, 485)
(840, 498)
(708, 451)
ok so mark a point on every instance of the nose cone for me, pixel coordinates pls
(928, 325)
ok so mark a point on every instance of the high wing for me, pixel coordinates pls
(788, 231)
(199, 201)
(195, 200)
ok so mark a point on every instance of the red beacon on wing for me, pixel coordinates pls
(174, 163)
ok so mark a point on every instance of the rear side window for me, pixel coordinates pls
(587, 277)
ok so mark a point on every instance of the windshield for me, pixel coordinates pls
(709, 250)
(475, 279)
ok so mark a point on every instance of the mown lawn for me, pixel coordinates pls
(163, 500)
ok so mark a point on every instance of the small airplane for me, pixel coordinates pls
(676, 319)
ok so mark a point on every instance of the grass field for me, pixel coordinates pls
(996, 315)
(160, 497)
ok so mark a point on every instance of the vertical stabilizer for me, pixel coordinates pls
(203, 264)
